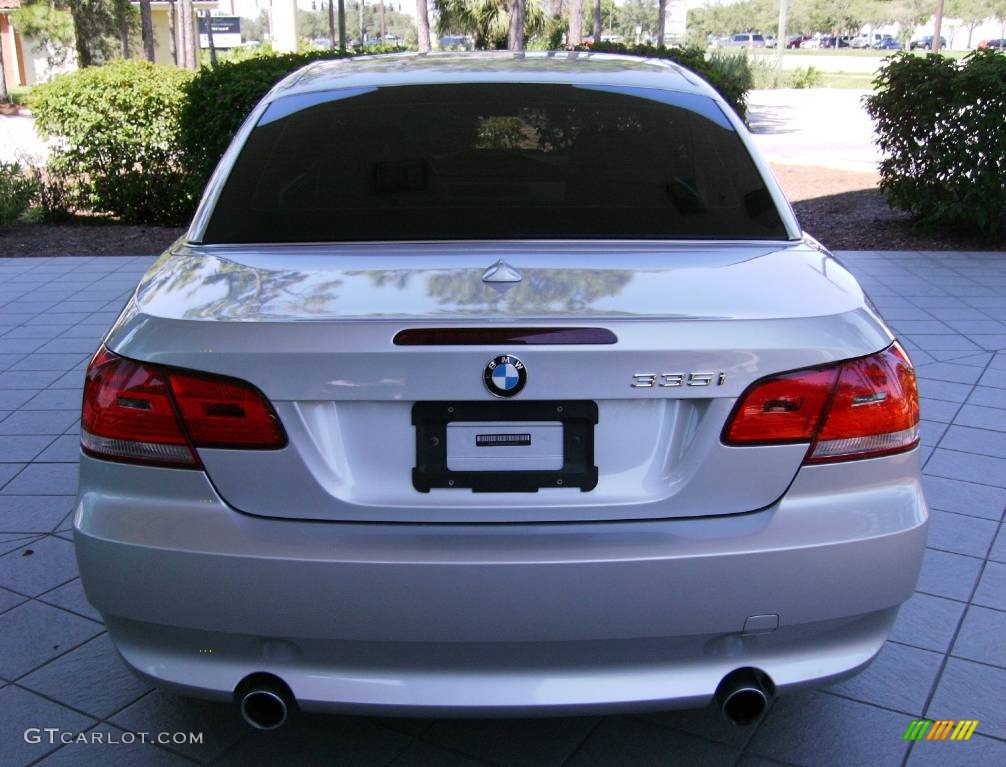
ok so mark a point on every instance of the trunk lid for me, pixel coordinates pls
(313, 328)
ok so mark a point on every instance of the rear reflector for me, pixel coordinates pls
(143, 413)
(859, 408)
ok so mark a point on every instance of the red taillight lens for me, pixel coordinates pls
(143, 413)
(222, 412)
(875, 409)
(863, 407)
(785, 408)
(128, 414)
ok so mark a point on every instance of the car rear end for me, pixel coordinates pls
(527, 399)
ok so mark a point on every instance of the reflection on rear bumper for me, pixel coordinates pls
(511, 618)
(505, 678)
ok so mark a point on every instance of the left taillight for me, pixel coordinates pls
(138, 412)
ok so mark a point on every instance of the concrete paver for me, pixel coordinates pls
(944, 659)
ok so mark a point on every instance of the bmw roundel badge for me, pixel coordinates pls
(505, 376)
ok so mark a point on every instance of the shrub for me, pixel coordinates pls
(53, 198)
(730, 75)
(810, 77)
(940, 126)
(117, 127)
(17, 191)
(218, 99)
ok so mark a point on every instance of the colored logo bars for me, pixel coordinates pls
(940, 729)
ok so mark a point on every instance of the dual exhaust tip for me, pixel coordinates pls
(742, 697)
(265, 701)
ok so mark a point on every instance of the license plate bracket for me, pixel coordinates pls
(578, 419)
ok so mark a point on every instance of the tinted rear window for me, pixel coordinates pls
(488, 161)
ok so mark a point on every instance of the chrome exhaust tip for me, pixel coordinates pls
(743, 696)
(265, 701)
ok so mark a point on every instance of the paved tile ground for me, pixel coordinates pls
(946, 658)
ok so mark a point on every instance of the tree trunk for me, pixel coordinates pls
(575, 37)
(515, 38)
(147, 30)
(384, 30)
(331, 23)
(4, 95)
(173, 32)
(597, 21)
(342, 25)
(661, 22)
(122, 18)
(423, 26)
(189, 43)
(361, 23)
(209, 39)
(84, 56)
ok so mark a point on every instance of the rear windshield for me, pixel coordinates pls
(493, 161)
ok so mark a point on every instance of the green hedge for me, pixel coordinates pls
(940, 123)
(118, 150)
(218, 99)
(731, 76)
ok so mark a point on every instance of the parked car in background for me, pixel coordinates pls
(925, 43)
(996, 44)
(831, 41)
(873, 40)
(888, 43)
(678, 463)
(770, 41)
(747, 40)
(814, 41)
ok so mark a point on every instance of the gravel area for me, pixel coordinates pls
(845, 210)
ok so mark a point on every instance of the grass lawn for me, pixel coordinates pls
(856, 52)
(19, 94)
(846, 80)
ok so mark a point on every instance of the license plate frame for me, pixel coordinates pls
(578, 418)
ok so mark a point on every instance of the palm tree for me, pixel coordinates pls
(575, 37)
(423, 26)
(488, 21)
(515, 38)
(661, 21)
(597, 21)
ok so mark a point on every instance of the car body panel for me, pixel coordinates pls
(312, 328)
(642, 614)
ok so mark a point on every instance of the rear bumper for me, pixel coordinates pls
(487, 619)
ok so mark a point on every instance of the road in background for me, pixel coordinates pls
(820, 127)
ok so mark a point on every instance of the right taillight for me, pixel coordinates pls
(860, 408)
(137, 412)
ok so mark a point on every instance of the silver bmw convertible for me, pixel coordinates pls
(497, 385)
